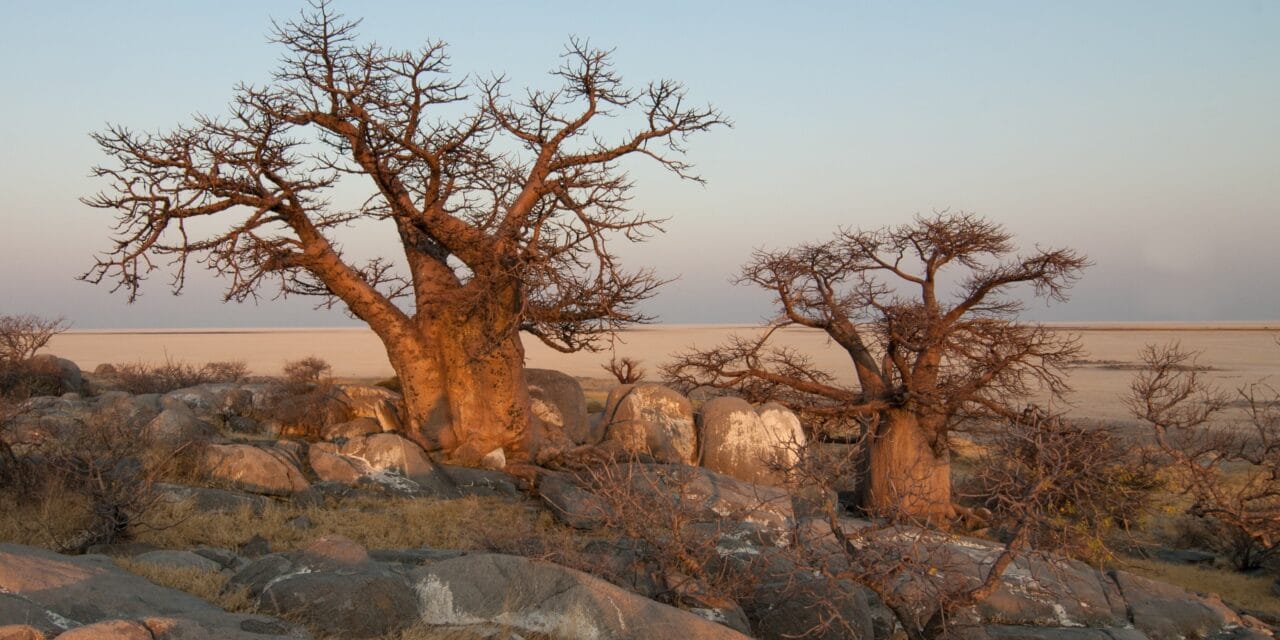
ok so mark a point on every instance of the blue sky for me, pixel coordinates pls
(1142, 133)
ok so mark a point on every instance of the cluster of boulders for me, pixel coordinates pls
(723, 468)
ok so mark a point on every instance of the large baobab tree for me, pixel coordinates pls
(504, 208)
(927, 356)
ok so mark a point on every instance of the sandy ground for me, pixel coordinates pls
(1239, 353)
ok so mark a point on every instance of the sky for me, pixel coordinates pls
(1144, 134)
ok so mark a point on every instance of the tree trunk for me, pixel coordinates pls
(465, 390)
(904, 475)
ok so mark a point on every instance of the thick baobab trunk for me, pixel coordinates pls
(904, 474)
(465, 391)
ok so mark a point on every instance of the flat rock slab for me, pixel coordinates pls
(75, 591)
(528, 596)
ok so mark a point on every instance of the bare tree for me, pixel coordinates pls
(626, 370)
(21, 336)
(925, 362)
(1230, 469)
(504, 208)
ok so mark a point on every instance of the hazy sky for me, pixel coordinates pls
(1146, 134)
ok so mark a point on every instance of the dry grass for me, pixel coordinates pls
(1239, 590)
(209, 585)
(492, 524)
(45, 519)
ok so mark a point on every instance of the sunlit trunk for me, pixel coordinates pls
(904, 475)
(464, 388)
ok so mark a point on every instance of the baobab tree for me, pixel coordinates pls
(925, 361)
(504, 208)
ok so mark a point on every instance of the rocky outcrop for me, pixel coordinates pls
(650, 421)
(750, 513)
(1048, 597)
(264, 470)
(73, 592)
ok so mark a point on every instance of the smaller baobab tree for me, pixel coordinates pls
(926, 361)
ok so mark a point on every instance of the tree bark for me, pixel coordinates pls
(464, 389)
(904, 474)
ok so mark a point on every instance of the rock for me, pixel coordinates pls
(369, 603)
(783, 429)
(68, 373)
(332, 467)
(260, 572)
(257, 469)
(495, 460)
(424, 555)
(650, 420)
(353, 428)
(367, 401)
(256, 546)
(122, 549)
(1011, 632)
(19, 615)
(111, 630)
(82, 590)
(20, 632)
(558, 401)
(176, 559)
(333, 552)
(470, 481)
(211, 500)
(570, 503)
(759, 514)
(121, 408)
(178, 425)
(387, 459)
(1164, 611)
(1184, 556)
(757, 447)
(224, 558)
(532, 597)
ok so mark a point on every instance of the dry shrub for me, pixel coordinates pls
(305, 399)
(142, 377)
(26, 379)
(21, 336)
(92, 486)
(656, 520)
(307, 373)
(1071, 487)
(1229, 470)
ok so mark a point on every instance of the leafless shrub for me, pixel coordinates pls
(21, 336)
(1071, 487)
(626, 370)
(142, 377)
(94, 485)
(1229, 469)
(653, 518)
(305, 399)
